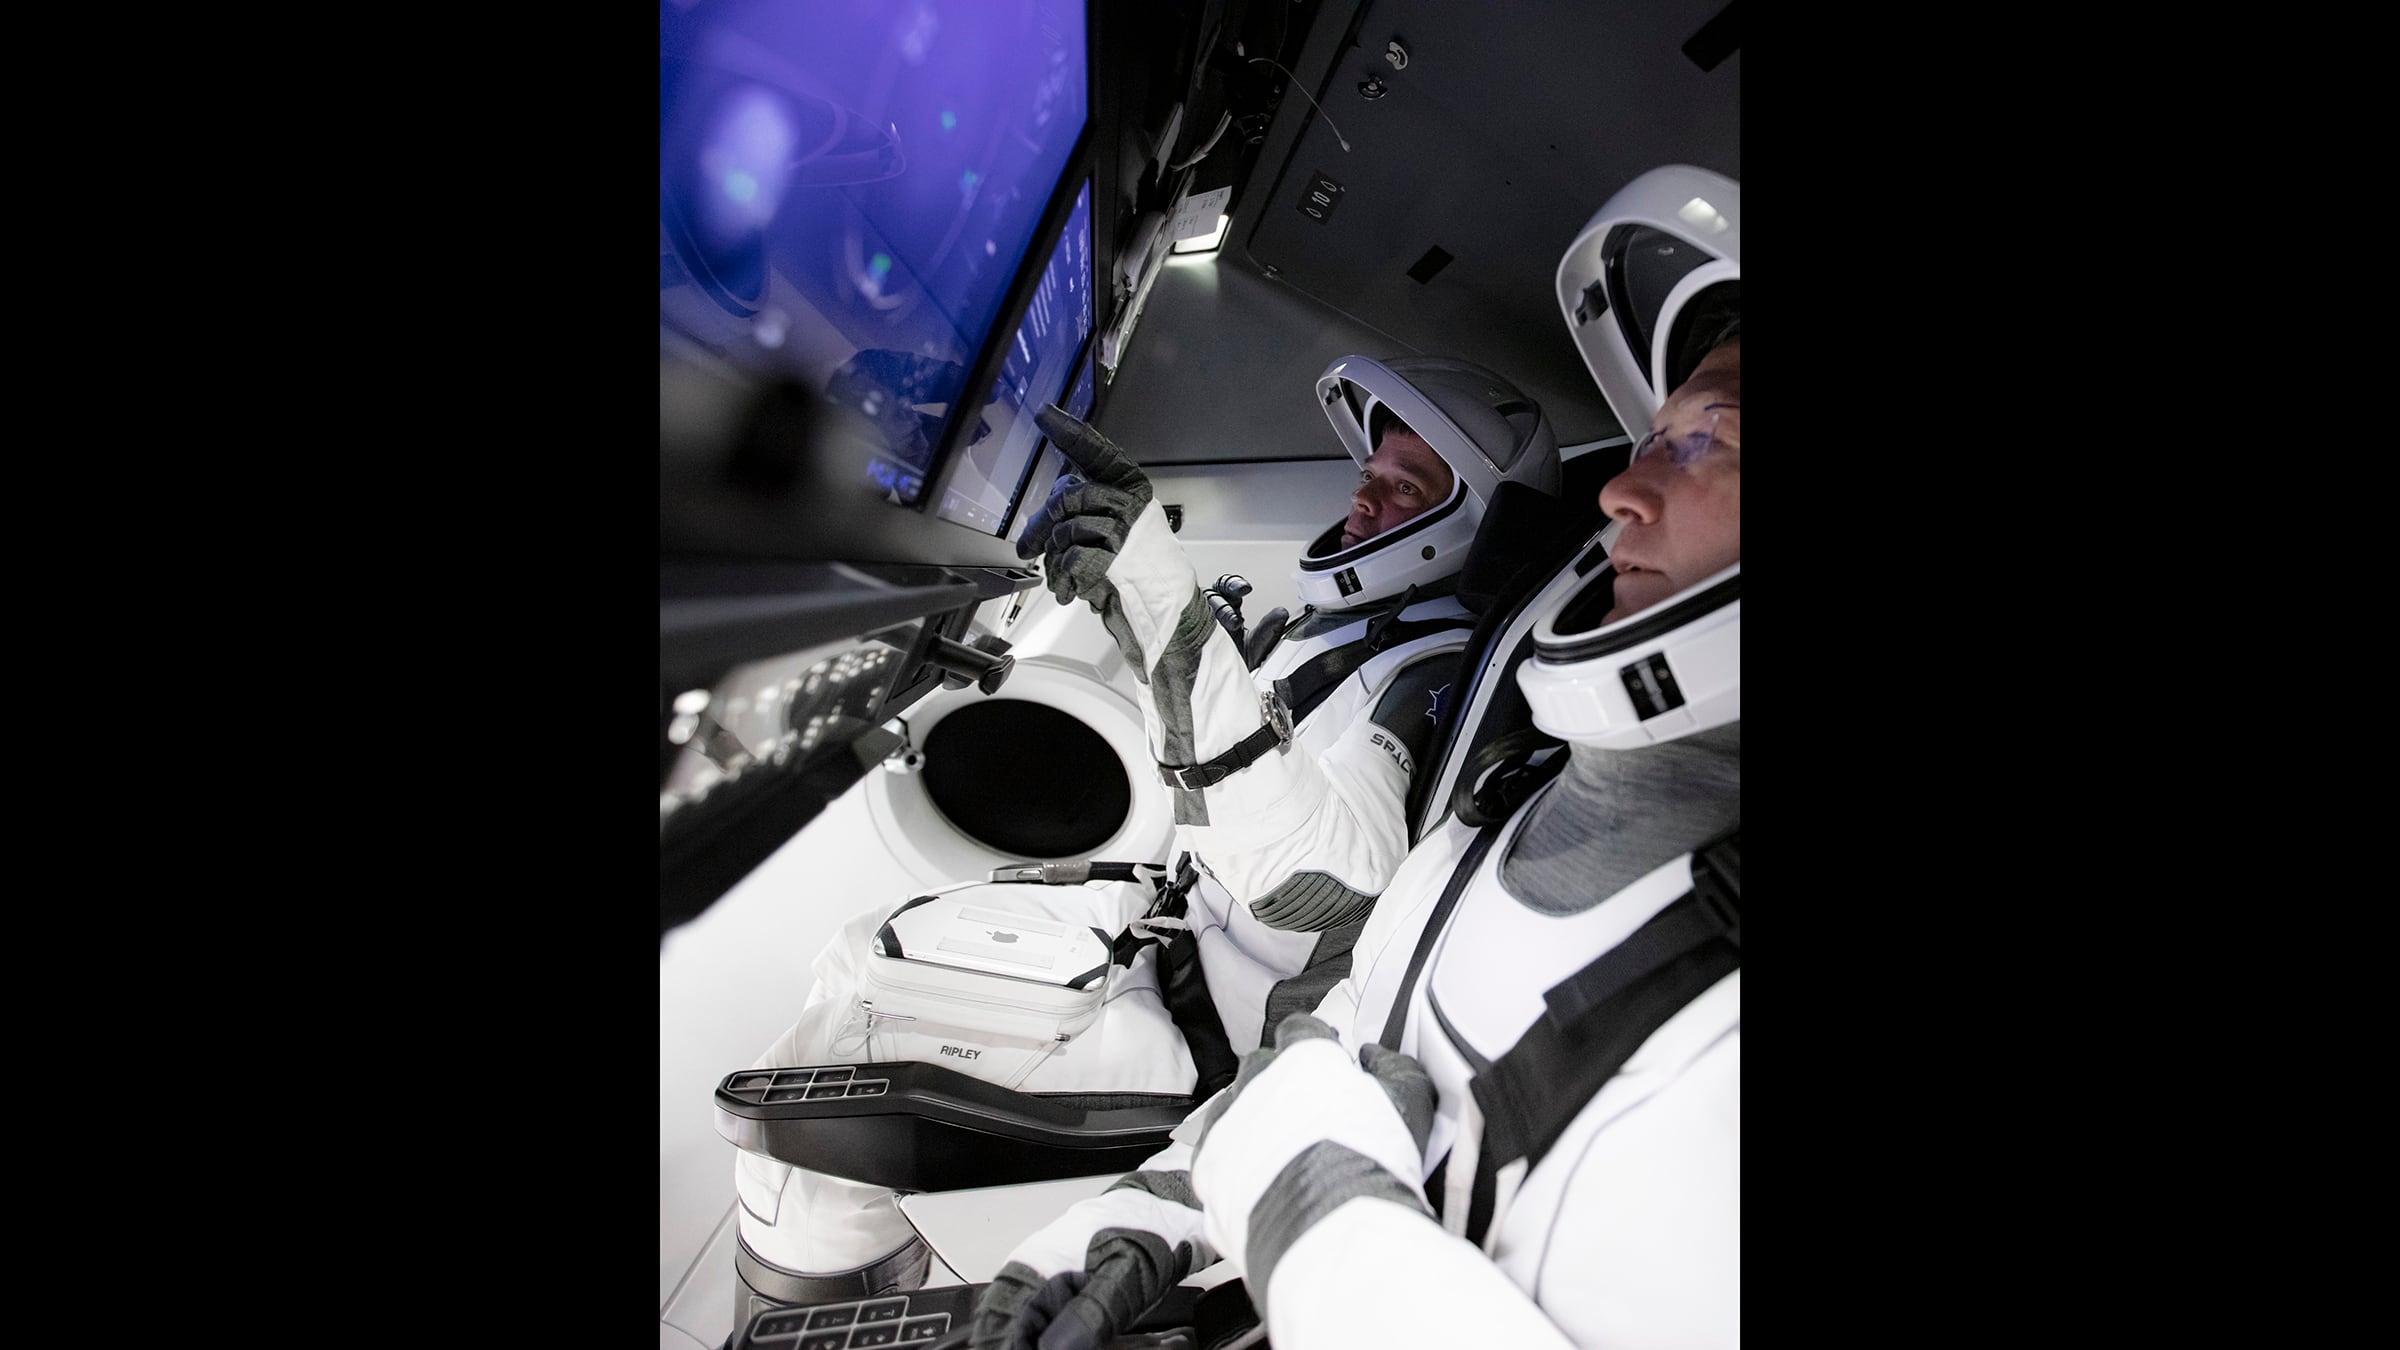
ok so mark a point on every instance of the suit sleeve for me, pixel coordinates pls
(1305, 838)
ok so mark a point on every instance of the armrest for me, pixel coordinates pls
(922, 1127)
(921, 1316)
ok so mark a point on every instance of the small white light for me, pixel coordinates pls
(1700, 213)
(1206, 242)
(691, 700)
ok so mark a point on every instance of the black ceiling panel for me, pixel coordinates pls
(1507, 127)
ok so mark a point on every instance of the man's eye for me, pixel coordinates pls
(1409, 488)
(1688, 450)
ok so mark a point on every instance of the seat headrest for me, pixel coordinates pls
(1521, 528)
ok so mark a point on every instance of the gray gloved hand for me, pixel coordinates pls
(1087, 1275)
(1303, 1131)
(1103, 539)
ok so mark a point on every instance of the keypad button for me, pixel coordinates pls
(821, 1318)
(885, 1310)
(882, 1335)
(924, 1328)
(831, 1340)
(779, 1324)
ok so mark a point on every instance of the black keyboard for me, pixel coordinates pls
(936, 1316)
(914, 1318)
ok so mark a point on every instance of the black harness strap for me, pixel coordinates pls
(1598, 1017)
(1314, 680)
(1465, 871)
(1309, 684)
(1193, 777)
(1183, 985)
(1174, 896)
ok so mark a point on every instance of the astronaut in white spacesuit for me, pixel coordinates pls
(1289, 780)
(1516, 1121)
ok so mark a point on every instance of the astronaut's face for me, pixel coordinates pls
(1680, 500)
(1403, 477)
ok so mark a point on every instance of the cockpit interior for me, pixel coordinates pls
(893, 231)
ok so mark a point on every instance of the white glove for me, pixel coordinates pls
(1302, 1132)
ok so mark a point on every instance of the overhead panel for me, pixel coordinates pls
(1480, 140)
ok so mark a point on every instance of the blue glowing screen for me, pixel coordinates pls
(1046, 470)
(847, 187)
(1079, 399)
(1035, 372)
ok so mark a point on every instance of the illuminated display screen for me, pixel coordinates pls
(991, 465)
(847, 188)
(1047, 468)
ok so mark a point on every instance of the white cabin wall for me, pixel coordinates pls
(1255, 518)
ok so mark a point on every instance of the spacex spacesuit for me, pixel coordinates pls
(1289, 782)
(1517, 1120)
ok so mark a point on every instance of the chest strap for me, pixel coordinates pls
(1314, 680)
(1595, 1019)
(1308, 685)
(1397, 1020)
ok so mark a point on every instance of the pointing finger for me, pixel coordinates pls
(1100, 458)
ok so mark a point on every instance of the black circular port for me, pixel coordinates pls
(1026, 780)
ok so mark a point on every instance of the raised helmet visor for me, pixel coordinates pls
(1370, 383)
(1625, 285)
(1485, 429)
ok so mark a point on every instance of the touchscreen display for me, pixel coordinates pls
(847, 190)
(1037, 370)
(1049, 463)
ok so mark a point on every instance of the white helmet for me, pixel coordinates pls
(1644, 288)
(1628, 282)
(1487, 431)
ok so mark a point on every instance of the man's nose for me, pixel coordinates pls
(1630, 497)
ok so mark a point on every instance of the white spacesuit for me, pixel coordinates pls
(1517, 1120)
(1625, 1228)
(1289, 783)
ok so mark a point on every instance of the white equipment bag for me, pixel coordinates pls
(988, 980)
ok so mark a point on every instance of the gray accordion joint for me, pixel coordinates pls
(1310, 902)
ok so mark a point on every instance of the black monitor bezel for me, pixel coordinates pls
(983, 376)
(1085, 355)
